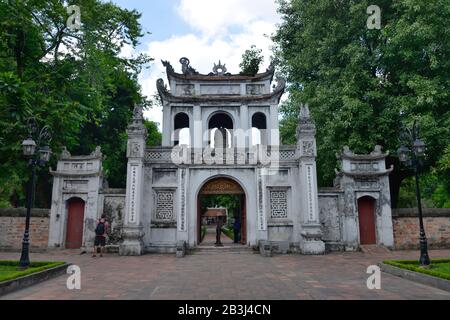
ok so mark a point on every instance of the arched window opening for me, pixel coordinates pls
(259, 129)
(220, 126)
(181, 129)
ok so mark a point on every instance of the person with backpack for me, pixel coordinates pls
(101, 230)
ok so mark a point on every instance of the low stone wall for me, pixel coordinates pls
(406, 228)
(12, 226)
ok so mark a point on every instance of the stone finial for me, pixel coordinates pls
(138, 112)
(97, 152)
(376, 150)
(305, 125)
(304, 112)
(65, 153)
(137, 123)
(346, 150)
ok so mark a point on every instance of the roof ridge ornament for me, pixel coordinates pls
(186, 68)
(219, 69)
(168, 66)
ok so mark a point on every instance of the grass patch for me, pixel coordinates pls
(229, 233)
(8, 269)
(203, 233)
(438, 268)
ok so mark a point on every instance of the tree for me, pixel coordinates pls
(251, 59)
(76, 81)
(362, 84)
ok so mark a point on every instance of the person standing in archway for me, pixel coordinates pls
(219, 231)
(237, 229)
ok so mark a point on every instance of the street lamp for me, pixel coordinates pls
(417, 150)
(29, 147)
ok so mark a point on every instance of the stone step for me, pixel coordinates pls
(373, 248)
(219, 250)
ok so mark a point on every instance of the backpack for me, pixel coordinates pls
(100, 229)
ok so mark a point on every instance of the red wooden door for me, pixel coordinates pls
(75, 222)
(366, 212)
(243, 221)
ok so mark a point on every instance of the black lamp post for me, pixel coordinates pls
(416, 148)
(40, 158)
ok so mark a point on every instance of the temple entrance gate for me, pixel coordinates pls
(223, 186)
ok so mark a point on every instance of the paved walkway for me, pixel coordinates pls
(210, 237)
(228, 275)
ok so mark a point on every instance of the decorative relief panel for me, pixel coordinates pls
(308, 148)
(220, 89)
(222, 186)
(164, 204)
(278, 204)
(255, 89)
(364, 166)
(367, 184)
(135, 149)
(75, 184)
(185, 89)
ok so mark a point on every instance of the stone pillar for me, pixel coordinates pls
(311, 233)
(245, 132)
(273, 134)
(132, 226)
(197, 132)
(167, 126)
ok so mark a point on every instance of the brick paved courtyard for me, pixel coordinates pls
(228, 275)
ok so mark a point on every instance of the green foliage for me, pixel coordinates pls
(228, 232)
(203, 233)
(251, 59)
(229, 201)
(8, 269)
(75, 81)
(362, 84)
(439, 267)
(434, 188)
(154, 136)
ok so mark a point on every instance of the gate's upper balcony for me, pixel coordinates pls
(258, 155)
(196, 106)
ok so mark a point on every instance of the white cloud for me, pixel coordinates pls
(216, 16)
(254, 20)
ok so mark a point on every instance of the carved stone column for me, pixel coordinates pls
(132, 227)
(311, 233)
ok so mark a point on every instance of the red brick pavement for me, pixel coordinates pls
(227, 275)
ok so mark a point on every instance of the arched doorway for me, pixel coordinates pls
(223, 186)
(75, 223)
(366, 216)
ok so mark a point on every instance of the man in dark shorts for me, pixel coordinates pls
(101, 231)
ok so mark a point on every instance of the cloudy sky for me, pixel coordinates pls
(205, 31)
